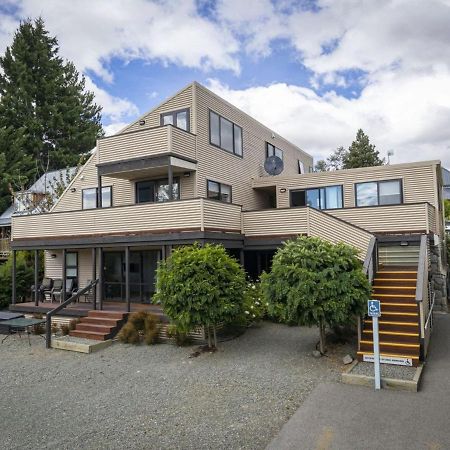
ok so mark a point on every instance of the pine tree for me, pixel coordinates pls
(47, 118)
(361, 153)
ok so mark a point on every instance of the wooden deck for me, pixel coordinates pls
(81, 309)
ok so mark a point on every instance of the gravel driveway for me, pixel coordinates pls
(128, 397)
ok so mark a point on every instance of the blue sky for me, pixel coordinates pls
(315, 71)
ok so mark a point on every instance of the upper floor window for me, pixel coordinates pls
(90, 200)
(301, 167)
(219, 191)
(271, 150)
(156, 191)
(225, 134)
(329, 197)
(179, 119)
(374, 193)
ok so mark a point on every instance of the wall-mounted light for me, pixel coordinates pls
(283, 190)
(73, 190)
(53, 256)
(404, 243)
(187, 174)
(142, 122)
(273, 135)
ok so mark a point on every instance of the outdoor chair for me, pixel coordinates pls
(88, 295)
(57, 291)
(43, 289)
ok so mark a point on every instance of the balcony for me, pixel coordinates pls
(122, 223)
(148, 152)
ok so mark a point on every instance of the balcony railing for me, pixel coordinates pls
(5, 247)
(176, 216)
(146, 143)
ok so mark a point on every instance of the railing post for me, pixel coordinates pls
(127, 277)
(13, 277)
(36, 278)
(100, 277)
(170, 179)
(202, 214)
(48, 331)
(99, 192)
(307, 221)
(94, 277)
(64, 271)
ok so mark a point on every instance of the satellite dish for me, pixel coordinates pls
(273, 165)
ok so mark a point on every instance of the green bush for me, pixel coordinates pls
(200, 286)
(24, 278)
(254, 306)
(314, 282)
(141, 327)
(176, 333)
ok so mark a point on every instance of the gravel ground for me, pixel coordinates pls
(139, 397)
(76, 340)
(387, 371)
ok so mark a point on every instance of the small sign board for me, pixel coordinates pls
(396, 361)
(374, 308)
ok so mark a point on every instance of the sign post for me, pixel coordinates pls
(374, 311)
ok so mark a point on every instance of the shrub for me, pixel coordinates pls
(178, 334)
(254, 306)
(141, 326)
(200, 286)
(24, 278)
(73, 324)
(314, 282)
(65, 329)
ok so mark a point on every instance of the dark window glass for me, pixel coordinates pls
(145, 192)
(156, 190)
(72, 265)
(313, 198)
(271, 150)
(226, 134)
(214, 128)
(219, 191)
(180, 119)
(298, 198)
(301, 167)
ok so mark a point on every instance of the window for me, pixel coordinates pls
(179, 119)
(271, 150)
(301, 167)
(156, 191)
(89, 197)
(71, 265)
(329, 197)
(225, 134)
(219, 191)
(375, 193)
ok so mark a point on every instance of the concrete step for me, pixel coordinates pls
(96, 336)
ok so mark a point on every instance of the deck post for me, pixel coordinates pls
(99, 191)
(64, 271)
(127, 277)
(100, 279)
(170, 179)
(241, 257)
(13, 277)
(36, 278)
(94, 277)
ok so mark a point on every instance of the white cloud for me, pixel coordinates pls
(413, 125)
(114, 127)
(91, 33)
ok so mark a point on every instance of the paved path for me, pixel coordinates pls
(344, 417)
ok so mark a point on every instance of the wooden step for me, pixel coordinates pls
(89, 335)
(387, 296)
(404, 282)
(392, 336)
(392, 325)
(107, 314)
(99, 321)
(389, 274)
(398, 307)
(404, 348)
(97, 328)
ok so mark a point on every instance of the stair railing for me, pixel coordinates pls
(50, 314)
(423, 290)
(370, 267)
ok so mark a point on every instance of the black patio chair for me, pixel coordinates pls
(44, 288)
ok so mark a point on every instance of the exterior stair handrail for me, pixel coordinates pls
(50, 314)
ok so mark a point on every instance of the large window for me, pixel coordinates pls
(375, 193)
(225, 134)
(179, 119)
(156, 191)
(329, 197)
(72, 266)
(219, 191)
(271, 150)
(90, 201)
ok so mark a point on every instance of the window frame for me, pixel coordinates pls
(220, 191)
(174, 118)
(275, 148)
(176, 180)
(72, 267)
(96, 197)
(220, 139)
(320, 199)
(355, 192)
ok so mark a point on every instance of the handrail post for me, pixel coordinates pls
(36, 278)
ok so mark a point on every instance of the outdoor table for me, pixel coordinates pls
(19, 324)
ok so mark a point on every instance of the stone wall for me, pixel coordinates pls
(438, 278)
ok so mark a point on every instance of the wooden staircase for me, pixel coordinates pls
(395, 287)
(99, 325)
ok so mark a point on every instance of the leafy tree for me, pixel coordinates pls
(361, 153)
(314, 282)
(200, 286)
(24, 277)
(336, 160)
(321, 166)
(47, 118)
(447, 208)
